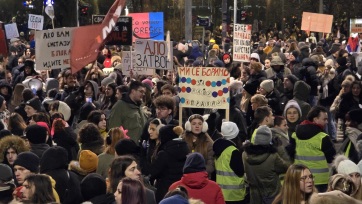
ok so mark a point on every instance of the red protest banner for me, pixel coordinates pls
(87, 39)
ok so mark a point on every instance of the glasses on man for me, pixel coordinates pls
(161, 108)
(304, 178)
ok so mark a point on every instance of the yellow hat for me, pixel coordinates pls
(212, 41)
(215, 46)
(88, 161)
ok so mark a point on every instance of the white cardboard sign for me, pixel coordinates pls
(35, 22)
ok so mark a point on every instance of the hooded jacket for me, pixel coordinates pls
(263, 165)
(54, 163)
(167, 167)
(308, 73)
(301, 95)
(128, 114)
(198, 186)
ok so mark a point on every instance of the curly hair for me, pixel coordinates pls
(89, 133)
(15, 142)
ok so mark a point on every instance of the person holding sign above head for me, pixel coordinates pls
(198, 140)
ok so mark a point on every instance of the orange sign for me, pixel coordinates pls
(317, 22)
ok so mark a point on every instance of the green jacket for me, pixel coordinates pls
(129, 115)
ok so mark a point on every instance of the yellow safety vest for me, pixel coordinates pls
(232, 186)
(252, 140)
(309, 152)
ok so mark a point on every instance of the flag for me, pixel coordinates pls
(87, 39)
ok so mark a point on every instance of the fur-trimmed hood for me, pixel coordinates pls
(75, 167)
(12, 141)
(257, 154)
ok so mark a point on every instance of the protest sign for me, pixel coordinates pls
(35, 22)
(11, 31)
(317, 22)
(204, 87)
(127, 65)
(52, 48)
(242, 37)
(147, 26)
(356, 25)
(153, 54)
(121, 33)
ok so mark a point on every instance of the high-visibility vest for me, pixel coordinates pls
(232, 186)
(252, 140)
(309, 152)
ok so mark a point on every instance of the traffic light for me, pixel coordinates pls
(83, 10)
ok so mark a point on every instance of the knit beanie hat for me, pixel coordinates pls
(65, 110)
(255, 56)
(335, 48)
(267, 85)
(29, 161)
(294, 104)
(88, 161)
(292, 78)
(215, 46)
(148, 82)
(195, 162)
(107, 80)
(34, 103)
(263, 135)
(36, 134)
(250, 88)
(6, 177)
(126, 146)
(175, 199)
(345, 166)
(229, 130)
(93, 185)
(85, 110)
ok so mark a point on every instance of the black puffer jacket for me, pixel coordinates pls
(55, 163)
(168, 165)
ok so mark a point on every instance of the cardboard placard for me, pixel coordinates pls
(317, 22)
(241, 42)
(35, 22)
(356, 25)
(11, 31)
(127, 65)
(153, 54)
(52, 49)
(204, 87)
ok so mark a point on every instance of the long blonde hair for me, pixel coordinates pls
(290, 192)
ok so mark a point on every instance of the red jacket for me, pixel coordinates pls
(200, 187)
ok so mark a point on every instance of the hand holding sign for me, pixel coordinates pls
(49, 10)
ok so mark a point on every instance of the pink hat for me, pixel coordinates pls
(148, 82)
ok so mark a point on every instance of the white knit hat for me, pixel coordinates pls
(65, 110)
(229, 130)
(344, 165)
(267, 85)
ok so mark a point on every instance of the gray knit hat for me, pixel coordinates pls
(263, 136)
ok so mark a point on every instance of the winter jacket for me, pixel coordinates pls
(54, 163)
(38, 149)
(301, 95)
(198, 186)
(263, 165)
(349, 146)
(278, 77)
(104, 162)
(348, 103)
(308, 72)
(167, 167)
(284, 138)
(96, 146)
(67, 139)
(130, 115)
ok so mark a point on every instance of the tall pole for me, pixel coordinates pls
(235, 11)
(224, 18)
(320, 11)
(188, 20)
(77, 7)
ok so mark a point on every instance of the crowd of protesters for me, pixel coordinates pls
(109, 138)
